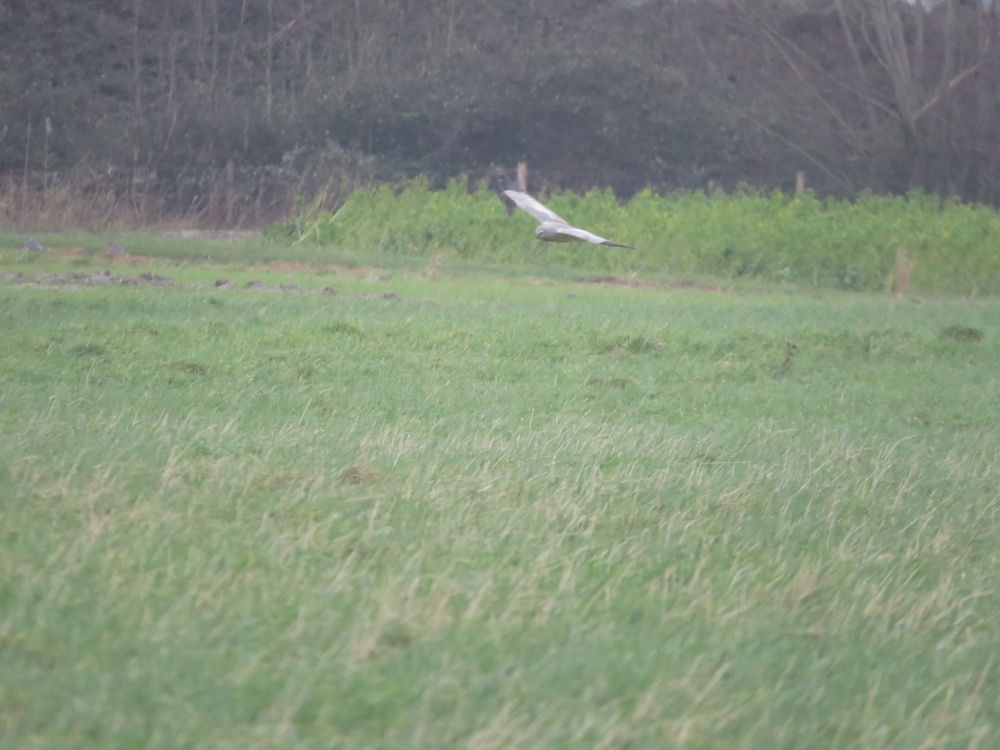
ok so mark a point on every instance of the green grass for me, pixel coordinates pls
(486, 513)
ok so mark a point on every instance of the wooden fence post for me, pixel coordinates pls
(230, 187)
(800, 182)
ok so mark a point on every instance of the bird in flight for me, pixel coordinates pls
(552, 227)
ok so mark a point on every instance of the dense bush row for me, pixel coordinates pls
(953, 246)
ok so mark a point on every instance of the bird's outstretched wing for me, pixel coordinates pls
(553, 227)
(533, 207)
(593, 239)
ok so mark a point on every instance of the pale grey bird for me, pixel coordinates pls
(32, 245)
(115, 249)
(552, 227)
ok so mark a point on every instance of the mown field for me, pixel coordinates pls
(452, 509)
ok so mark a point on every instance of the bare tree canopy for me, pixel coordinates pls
(274, 99)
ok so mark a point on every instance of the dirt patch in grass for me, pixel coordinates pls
(91, 278)
(69, 279)
(646, 284)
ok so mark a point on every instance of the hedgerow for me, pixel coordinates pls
(954, 247)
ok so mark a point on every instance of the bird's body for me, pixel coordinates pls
(32, 245)
(554, 228)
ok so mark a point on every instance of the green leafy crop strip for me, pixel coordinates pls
(949, 246)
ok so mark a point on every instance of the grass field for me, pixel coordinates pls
(493, 511)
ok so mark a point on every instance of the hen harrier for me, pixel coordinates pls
(552, 227)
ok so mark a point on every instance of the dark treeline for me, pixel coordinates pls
(228, 109)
